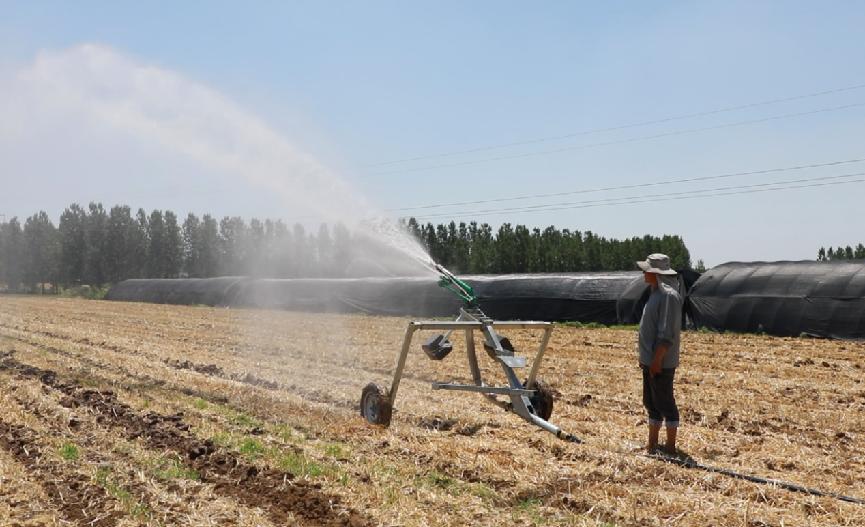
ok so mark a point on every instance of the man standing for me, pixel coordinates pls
(658, 347)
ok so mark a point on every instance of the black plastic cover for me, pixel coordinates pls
(629, 307)
(825, 299)
(184, 291)
(584, 297)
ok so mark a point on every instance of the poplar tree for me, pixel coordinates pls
(73, 248)
(41, 251)
(13, 254)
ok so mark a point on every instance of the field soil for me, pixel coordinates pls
(116, 414)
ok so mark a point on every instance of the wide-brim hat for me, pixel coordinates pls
(657, 263)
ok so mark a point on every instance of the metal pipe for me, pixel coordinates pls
(499, 390)
(462, 324)
(400, 363)
(473, 358)
(536, 364)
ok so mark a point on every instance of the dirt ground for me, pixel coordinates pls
(134, 414)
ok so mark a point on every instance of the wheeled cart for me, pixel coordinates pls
(532, 400)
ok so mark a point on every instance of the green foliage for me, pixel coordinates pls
(69, 452)
(335, 450)
(93, 247)
(168, 468)
(841, 253)
(583, 325)
(476, 249)
(300, 465)
(132, 506)
(242, 419)
(251, 448)
(442, 481)
(86, 291)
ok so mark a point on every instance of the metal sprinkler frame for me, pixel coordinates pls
(532, 400)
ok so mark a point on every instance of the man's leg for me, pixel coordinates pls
(666, 402)
(655, 417)
(670, 447)
(654, 432)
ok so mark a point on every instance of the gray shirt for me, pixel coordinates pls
(661, 322)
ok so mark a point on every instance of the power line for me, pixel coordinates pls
(625, 187)
(623, 141)
(619, 127)
(632, 200)
(555, 206)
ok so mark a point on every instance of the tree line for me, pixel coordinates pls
(841, 253)
(95, 246)
(478, 249)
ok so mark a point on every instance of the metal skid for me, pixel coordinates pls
(532, 401)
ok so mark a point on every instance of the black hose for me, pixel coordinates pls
(689, 462)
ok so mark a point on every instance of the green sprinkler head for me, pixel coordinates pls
(459, 288)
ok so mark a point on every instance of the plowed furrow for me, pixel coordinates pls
(79, 500)
(284, 500)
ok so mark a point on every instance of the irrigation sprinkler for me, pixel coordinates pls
(532, 400)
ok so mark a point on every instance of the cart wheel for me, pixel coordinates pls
(375, 405)
(542, 400)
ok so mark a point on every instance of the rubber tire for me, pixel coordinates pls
(542, 400)
(375, 405)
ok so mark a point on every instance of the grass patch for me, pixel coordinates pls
(222, 439)
(300, 465)
(251, 448)
(528, 504)
(457, 487)
(442, 481)
(482, 491)
(69, 452)
(582, 325)
(234, 417)
(596, 325)
(531, 508)
(167, 468)
(288, 434)
(132, 506)
(290, 459)
(336, 451)
(241, 419)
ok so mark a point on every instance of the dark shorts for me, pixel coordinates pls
(658, 397)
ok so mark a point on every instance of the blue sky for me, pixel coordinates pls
(355, 84)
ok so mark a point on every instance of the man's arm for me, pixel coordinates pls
(667, 310)
(658, 360)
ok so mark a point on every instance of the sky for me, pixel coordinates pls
(338, 111)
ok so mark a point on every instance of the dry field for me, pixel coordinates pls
(133, 414)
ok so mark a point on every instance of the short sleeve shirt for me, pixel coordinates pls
(661, 322)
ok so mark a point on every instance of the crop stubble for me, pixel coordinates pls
(267, 393)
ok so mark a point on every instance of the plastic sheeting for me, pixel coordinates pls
(192, 291)
(584, 297)
(783, 298)
(629, 307)
(373, 296)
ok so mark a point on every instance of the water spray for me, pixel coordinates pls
(531, 400)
